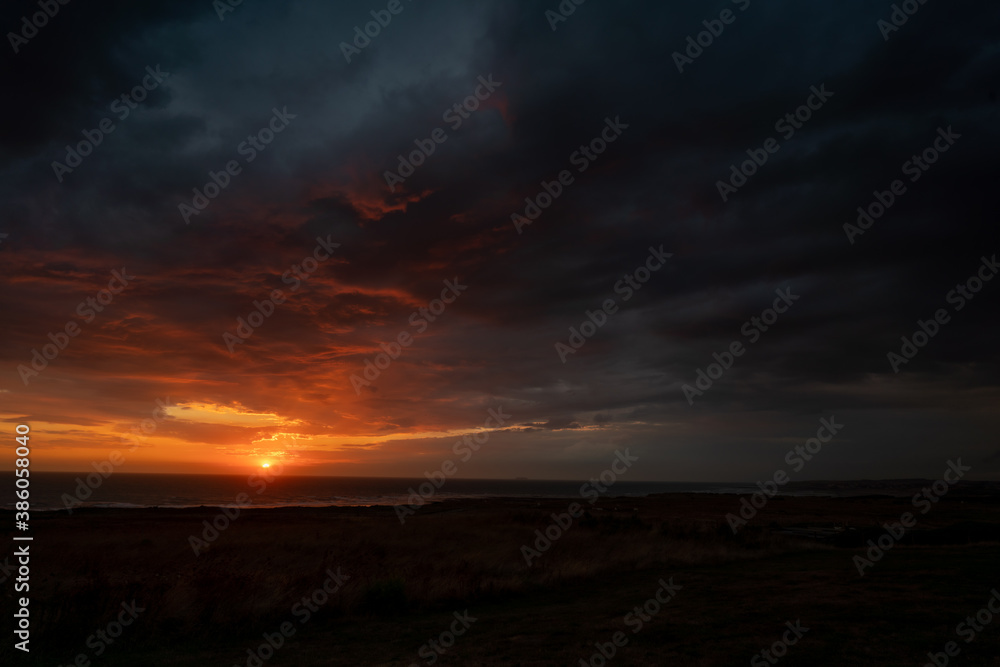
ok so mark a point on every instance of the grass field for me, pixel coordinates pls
(404, 583)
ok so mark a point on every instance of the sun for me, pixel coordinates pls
(265, 465)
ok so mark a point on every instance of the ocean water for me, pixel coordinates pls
(155, 490)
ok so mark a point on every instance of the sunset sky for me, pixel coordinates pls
(285, 393)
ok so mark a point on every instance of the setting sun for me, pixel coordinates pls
(265, 465)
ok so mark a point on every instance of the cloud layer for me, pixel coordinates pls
(656, 185)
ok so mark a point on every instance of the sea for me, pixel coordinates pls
(55, 491)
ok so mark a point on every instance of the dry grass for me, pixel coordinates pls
(447, 557)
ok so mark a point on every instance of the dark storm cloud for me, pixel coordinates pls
(654, 186)
(84, 55)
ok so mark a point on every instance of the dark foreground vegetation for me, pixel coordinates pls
(402, 585)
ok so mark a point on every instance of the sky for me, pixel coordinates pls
(124, 119)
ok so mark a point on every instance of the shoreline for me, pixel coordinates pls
(829, 490)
